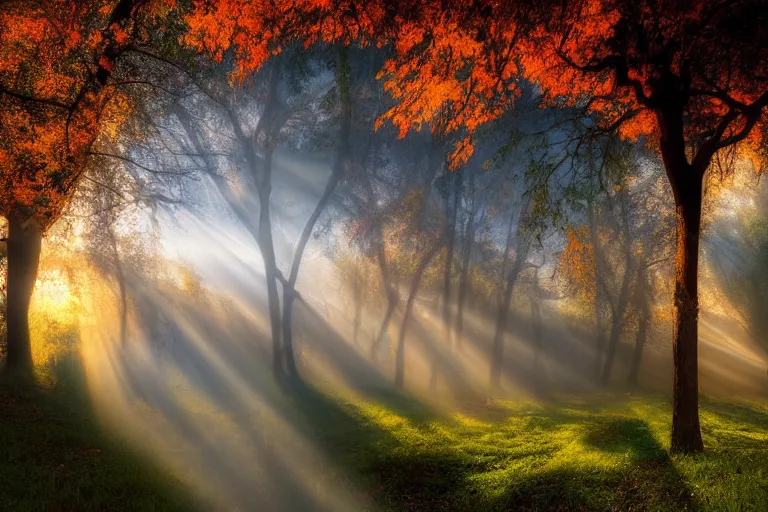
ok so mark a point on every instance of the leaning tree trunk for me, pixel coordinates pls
(289, 290)
(267, 248)
(687, 188)
(393, 295)
(400, 356)
(24, 241)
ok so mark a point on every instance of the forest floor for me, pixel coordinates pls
(55, 456)
(603, 452)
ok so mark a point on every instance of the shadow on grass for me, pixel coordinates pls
(496, 467)
(651, 472)
(54, 454)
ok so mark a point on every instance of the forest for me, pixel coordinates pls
(384, 255)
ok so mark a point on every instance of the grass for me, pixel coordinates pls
(603, 452)
(54, 456)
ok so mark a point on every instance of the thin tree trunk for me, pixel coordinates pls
(502, 315)
(642, 329)
(617, 324)
(497, 350)
(330, 186)
(358, 305)
(536, 324)
(619, 314)
(466, 257)
(687, 187)
(122, 289)
(393, 296)
(522, 245)
(24, 242)
(599, 292)
(453, 191)
(451, 206)
(267, 248)
(400, 355)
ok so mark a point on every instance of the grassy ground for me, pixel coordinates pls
(602, 452)
(605, 452)
(54, 456)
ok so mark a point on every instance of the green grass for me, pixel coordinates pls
(604, 452)
(54, 456)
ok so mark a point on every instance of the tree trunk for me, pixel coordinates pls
(358, 305)
(617, 324)
(453, 188)
(400, 355)
(536, 324)
(599, 292)
(502, 315)
(466, 257)
(267, 248)
(686, 432)
(687, 188)
(497, 349)
(336, 171)
(298, 254)
(642, 330)
(393, 296)
(121, 286)
(24, 241)
(522, 245)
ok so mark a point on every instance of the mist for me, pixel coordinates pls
(288, 302)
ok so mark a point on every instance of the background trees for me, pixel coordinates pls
(508, 141)
(57, 61)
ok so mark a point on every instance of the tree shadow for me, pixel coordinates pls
(56, 455)
(633, 437)
(741, 413)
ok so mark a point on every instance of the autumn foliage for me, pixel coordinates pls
(455, 65)
(55, 58)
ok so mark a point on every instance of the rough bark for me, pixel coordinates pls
(687, 188)
(24, 242)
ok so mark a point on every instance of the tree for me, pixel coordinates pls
(693, 80)
(56, 62)
(690, 78)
